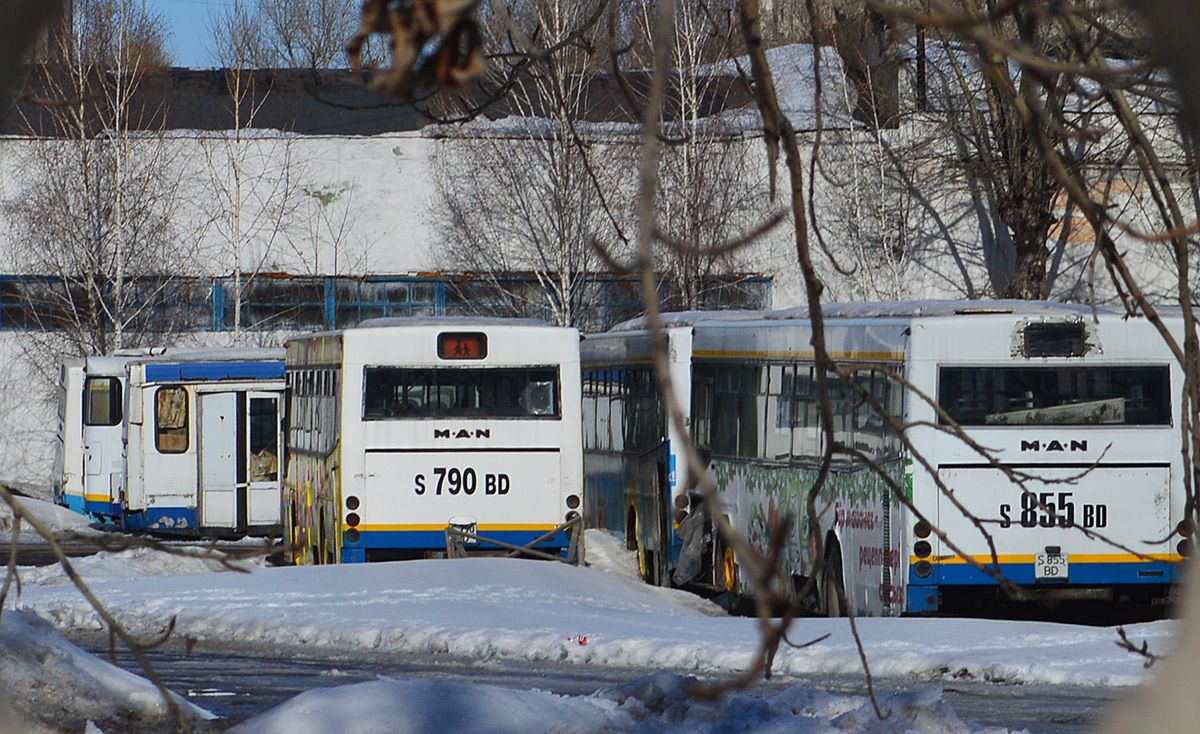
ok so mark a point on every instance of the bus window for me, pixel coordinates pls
(171, 420)
(396, 393)
(264, 439)
(1056, 395)
(102, 401)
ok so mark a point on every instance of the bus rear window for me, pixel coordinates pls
(396, 393)
(1040, 396)
(101, 401)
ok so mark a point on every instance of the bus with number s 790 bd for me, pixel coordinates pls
(399, 429)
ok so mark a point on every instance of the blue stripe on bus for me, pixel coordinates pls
(1079, 574)
(270, 369)
(99, 510)
(436, 540)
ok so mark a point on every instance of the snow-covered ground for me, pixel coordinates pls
(528, 610)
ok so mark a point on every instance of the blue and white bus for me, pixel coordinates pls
(1081, 405)
(401, 428)
(176, 442)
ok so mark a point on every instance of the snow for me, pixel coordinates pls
(490, 609)
(48, 684)
(58, 519)
(658, 703)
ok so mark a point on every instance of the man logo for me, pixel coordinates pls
(1072, 445)
(463, 433)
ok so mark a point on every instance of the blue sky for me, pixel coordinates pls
(188, 21)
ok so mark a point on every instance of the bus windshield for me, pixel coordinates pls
(1060, 395)
(397, 393)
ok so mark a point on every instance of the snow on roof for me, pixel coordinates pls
(792, 69)
(447, 321)
(939, 307)
(877, 309)
(217, 354)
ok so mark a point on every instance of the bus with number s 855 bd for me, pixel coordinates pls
(971, 443)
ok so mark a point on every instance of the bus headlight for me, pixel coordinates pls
(922, 549)
(351, 536)
(572, 515)
(923, 569)
(1184, 548)
(353, 520)
(351, 503)
(573, 501)
(922, 529)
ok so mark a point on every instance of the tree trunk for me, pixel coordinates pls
(1029, 275)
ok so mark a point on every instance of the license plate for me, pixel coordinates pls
(1050, 567)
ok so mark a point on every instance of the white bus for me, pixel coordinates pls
(1085, 405)
(401, 428)
(203, 441)
(178, 442)
(89, 460)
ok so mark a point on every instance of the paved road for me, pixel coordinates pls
(238, 685)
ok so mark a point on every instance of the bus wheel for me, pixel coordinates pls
(832, 588)
(647, 566)
(319, 553)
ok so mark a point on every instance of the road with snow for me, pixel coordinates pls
(237, 686)
(503, 646)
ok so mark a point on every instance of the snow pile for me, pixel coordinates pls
(135, 563)
(491, 608)
(607, 553)
(661, 703)
(48, 684)
(56, 519)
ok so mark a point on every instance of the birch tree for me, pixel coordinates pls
(529, 197)
(253, 173)
(97, 216)
(711, 184)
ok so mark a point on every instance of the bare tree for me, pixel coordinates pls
(528, 196)
(331, 245)
(309, 35)
(96, 217)
(710, 190)
(286, 34)
(253, 172)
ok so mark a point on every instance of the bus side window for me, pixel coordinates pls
(171, 420)
(702, 407)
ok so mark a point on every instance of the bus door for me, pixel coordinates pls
(219, 490)
(103, 445)
(262, 450)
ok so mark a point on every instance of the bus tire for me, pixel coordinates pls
(647, 566)
(832, 587)
(319, 554)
